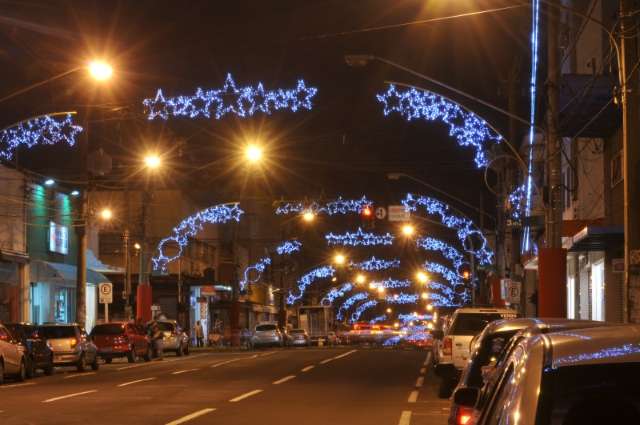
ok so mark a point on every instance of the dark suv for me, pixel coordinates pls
(38, 354)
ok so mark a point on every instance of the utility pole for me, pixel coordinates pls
(143, 301)
(631, 158)
(81, 225)
(552, 260)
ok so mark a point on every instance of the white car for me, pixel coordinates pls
(12, 356)
(453, 351)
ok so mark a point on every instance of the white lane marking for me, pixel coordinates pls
(227, 362)
(345, 354)
(75, 375)
(426, 361)
(62, 397)
(413, 397)
(24, 384)
(245, 395)
(165, 361)
(420, 381)
(283, 380)
(268, 353)
(405, 418)
(423, 371)
(178, 372)
(308, 368)
(135, 382)
(191, 416)
(325, 361)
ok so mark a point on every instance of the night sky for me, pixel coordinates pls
(344, 146)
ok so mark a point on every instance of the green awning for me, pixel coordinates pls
(65, 274)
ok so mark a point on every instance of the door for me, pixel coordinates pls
(597, 290)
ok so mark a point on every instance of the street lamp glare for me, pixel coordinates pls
(152, 161)
(308, 216)
(408, 230)
(137, 245)
(429, 307)
(389, 310)
(339, 259)
(253, 153)
(106, 214)
(422, 277)
(360, 279)
(100, 70)
(425, 295)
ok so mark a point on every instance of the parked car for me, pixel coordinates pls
(267, 334)
(489, 348)
(297, 337)
(585, 376)
(453, 350)
(174, 338)
(121, 339)
(38, 354)
(13, 360)
(71, 346)
(332, 338)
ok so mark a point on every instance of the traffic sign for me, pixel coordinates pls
(105, 290)
(398, 213)
(381, 213)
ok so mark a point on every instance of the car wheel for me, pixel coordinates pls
(82, 364)
(179, 350)
(48, 369)
(147, 354)
(31, 368)
(22, 372)
(95, 365)
(186, 350)
(131, 355)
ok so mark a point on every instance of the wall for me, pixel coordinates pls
(12, 211)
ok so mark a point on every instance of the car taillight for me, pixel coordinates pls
(122, 339)
(447, 346)
(464, 416)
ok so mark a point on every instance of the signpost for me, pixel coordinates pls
(398, 213)
(510, 291)
(105, 290)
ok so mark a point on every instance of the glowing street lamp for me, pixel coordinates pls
(100, 70)
(408, 230)
(253, 153)
(425, 295)
(152, 161)
(422, 277)
(360, 279)
(106, 214)
(381, 289)
(339, 259)
(137, 245)
(389, 310)
(429, 307)
(308, 216)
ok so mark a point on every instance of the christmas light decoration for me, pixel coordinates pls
(43, 130)
(322, 272)
(359, 238)
(447, 251)
(360, 296)
(242, 102)
(390, 342)
(288, 247)
(464, 227)
(336, 293)
(338, 206)
(402, 298)
(517, 201)
(378, 319)
(465, 126)
(355, 316)
(392, 283)
(190, 226)
(374, 264)
(608, 353)
(257, 268)
(405, 318)
(452, 277)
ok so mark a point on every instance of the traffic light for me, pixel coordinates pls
(367, 217)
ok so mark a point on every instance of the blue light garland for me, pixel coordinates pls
(392, 283)
(288, 247)
(322, 272)
(359, 238)
(467, 128)
(464, 227)
(242, 102)
(258, 268)
(336, 293)
(338, 206)
(451, 276)
(402, 298)
(44, 130)
(355, 316)
(447, 251)
(360, 296)
(374, 264)
(378, 319)
(608, 353)
(517, 201)
(190, 226)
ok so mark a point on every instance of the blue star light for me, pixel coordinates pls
(288, 247)
(43, 130)
(322, 272)
(257, 268)
(361, 309)
(338, 206)
(374, 264)
(402, 298)
(360, 296)
(336, 293)
(359, 238)
(447, 251)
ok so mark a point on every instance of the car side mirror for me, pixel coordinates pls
(437, 333)
(466, 396)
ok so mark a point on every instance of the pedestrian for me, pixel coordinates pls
(199, 334)
(156, 339)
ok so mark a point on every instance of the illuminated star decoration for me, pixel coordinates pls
(190, 226)
(378, 319)
(336, 293)
(359, 238)
(467, 128)
(392, 283)
(461, 293)
(447, 251)
(517, 201)
(402, 298)
(361, 309)
(43, 130)
(230, 99)
(338, 206)
(258, 268)
(288, 247)
(322, 272)
(360, 296)
(464, 227)
(375, 264)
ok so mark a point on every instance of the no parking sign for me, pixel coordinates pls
(106, 293)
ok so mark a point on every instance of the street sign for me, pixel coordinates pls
(105, 290)
(381, 213)
(513, 290)
(398, 213)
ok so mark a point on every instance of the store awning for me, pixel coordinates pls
(597, 238)
(46, 271)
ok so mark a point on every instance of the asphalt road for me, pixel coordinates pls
(347, 385)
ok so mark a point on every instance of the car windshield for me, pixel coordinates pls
(108, 329)
(53, 332)
(165, 326)
(472, 323)
(264, 328)
(19, 331)
(297, 331)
